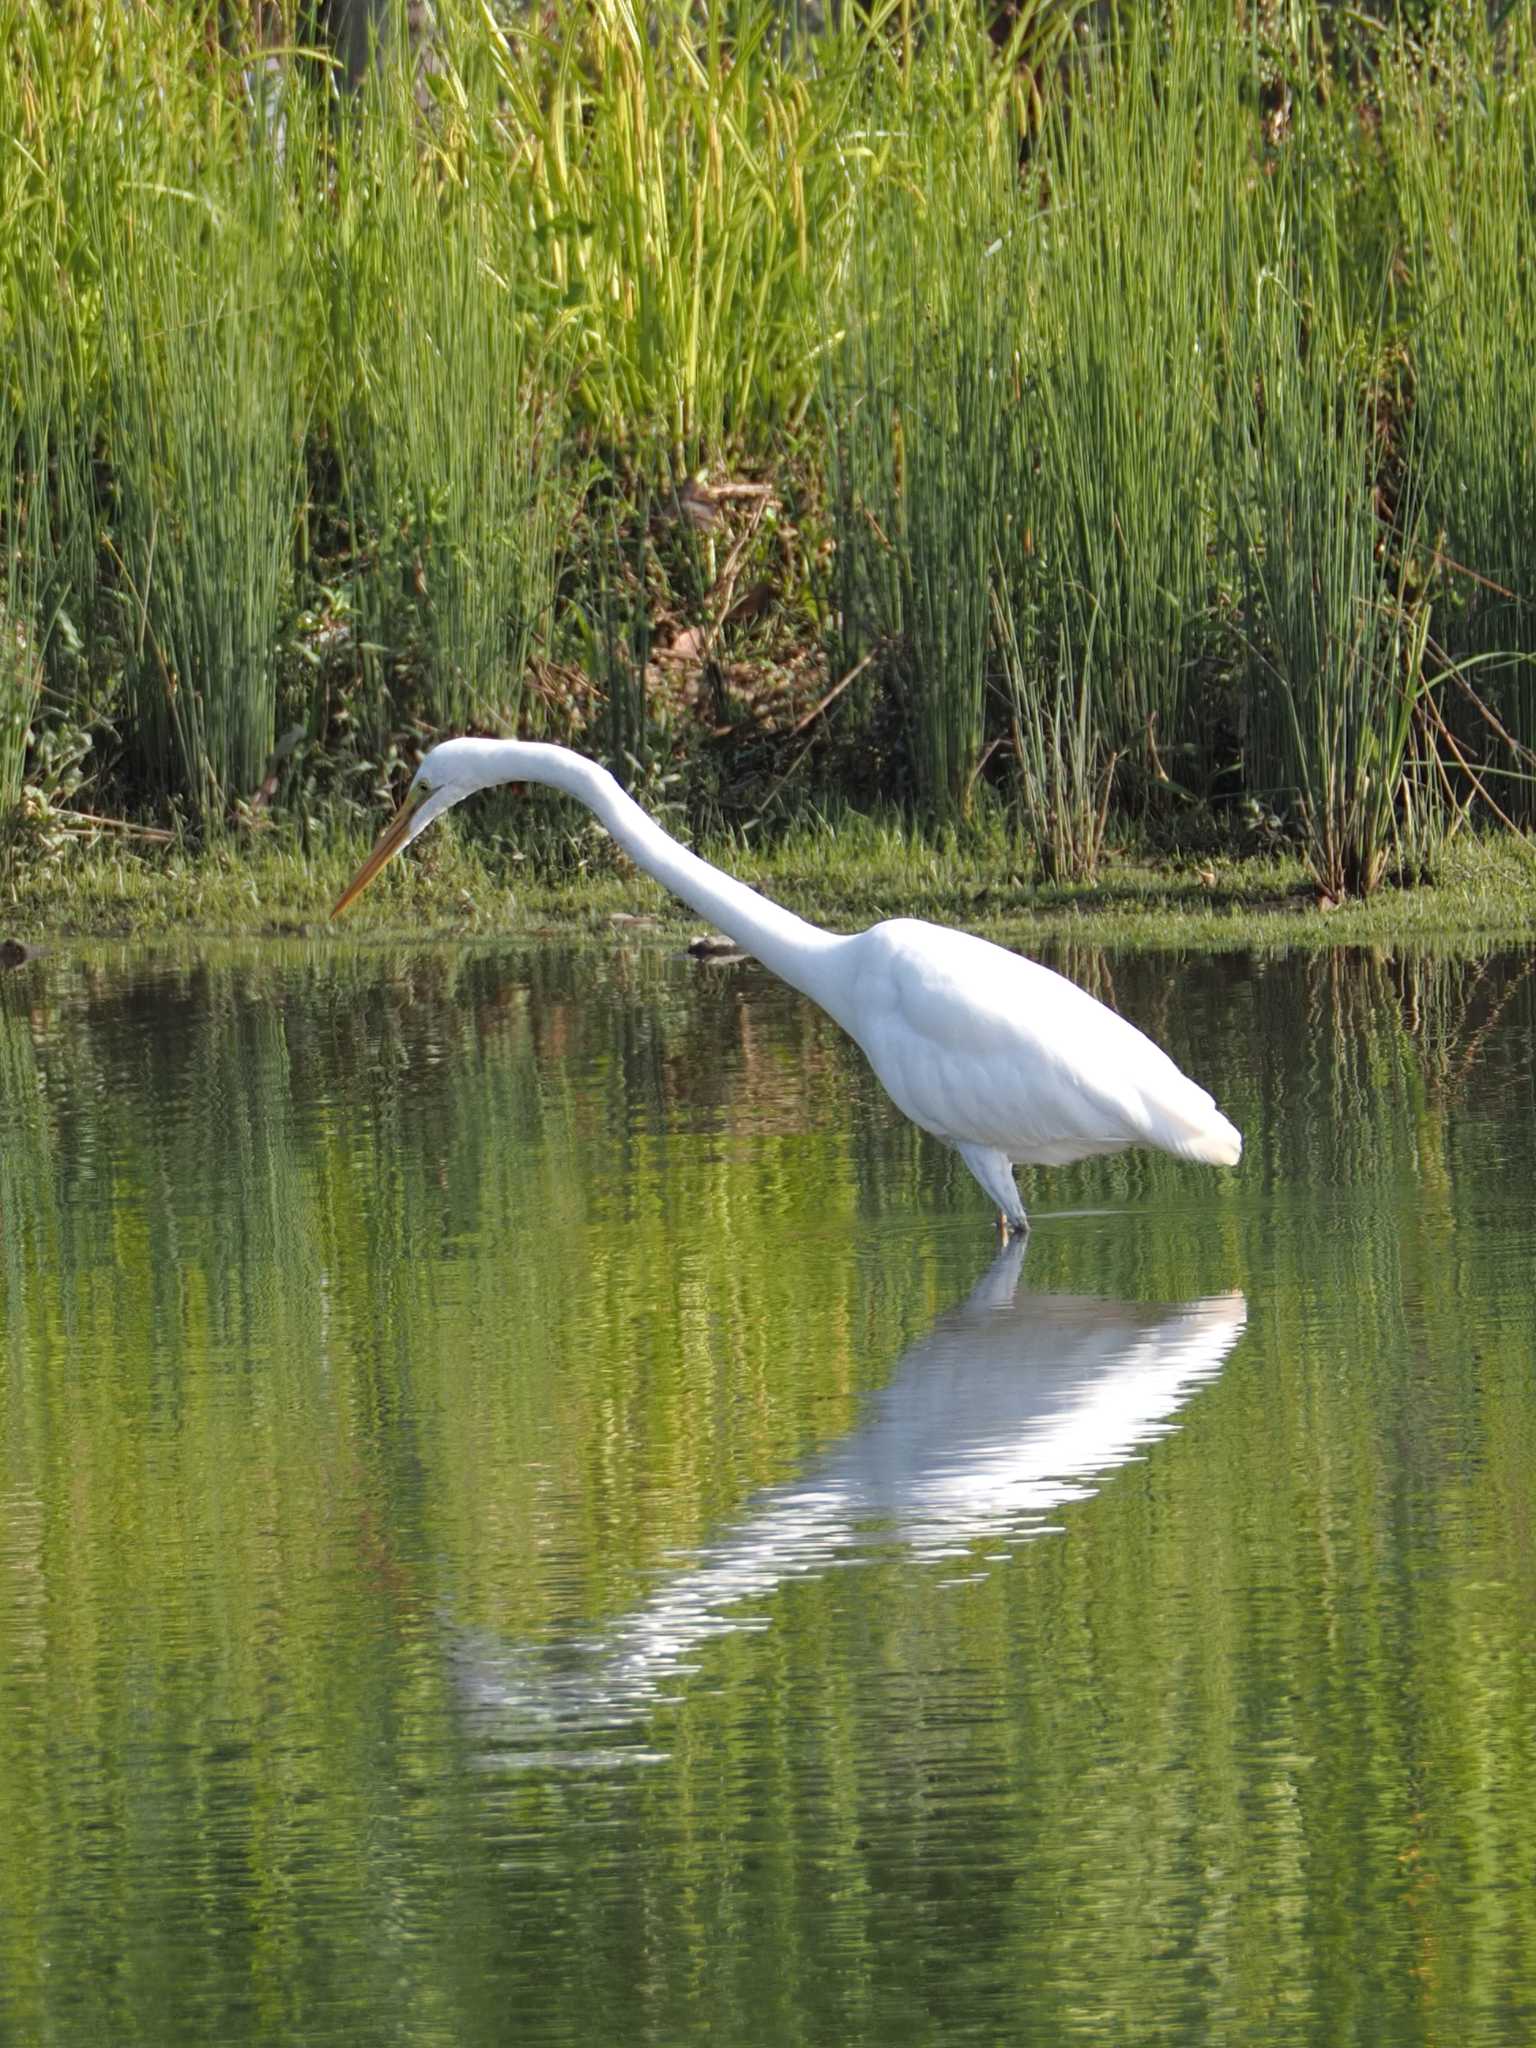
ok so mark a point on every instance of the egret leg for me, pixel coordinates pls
(995, 1172)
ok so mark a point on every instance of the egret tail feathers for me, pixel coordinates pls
(1216, 1143)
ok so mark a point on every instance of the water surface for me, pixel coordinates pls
(531, 1510)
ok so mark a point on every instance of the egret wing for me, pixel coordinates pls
(984, 1047)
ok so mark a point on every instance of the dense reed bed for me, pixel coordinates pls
(1123, 433)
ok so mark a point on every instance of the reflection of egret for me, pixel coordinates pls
(1011, 1406)
(1002, 1059)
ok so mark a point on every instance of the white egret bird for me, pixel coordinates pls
(1004, 1060)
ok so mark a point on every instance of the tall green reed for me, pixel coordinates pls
(203, 430)
(48, 413)
(921, 455)
(1023, 437)
(1464, 156)
(452, 428)
(1337, 619)
(47, 535)
(1063, 766)
(643, 243)
(618, 646)
(1126, 235)
(917, 395)
(686, 176)
(20, 680)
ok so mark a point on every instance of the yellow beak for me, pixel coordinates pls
(387, 845)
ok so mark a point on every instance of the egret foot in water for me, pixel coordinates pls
(995, 1172)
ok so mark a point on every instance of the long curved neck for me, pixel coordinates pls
(800, 953)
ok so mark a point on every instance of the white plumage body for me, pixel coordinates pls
(983, 1047)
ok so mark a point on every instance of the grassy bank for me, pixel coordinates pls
(457, 886)
(1115, 430)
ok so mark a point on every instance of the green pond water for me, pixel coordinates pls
(532, 1511)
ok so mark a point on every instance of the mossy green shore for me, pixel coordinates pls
(1484, 894)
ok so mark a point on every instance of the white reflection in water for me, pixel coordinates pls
(1012, 1405)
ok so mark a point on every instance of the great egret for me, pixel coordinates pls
(1001, 1058)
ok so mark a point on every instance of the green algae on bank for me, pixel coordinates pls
(1485, 892)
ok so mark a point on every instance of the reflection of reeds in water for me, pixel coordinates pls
(493, 1053)
(1364, 1020)
(346, 1333)
(1011, 1407)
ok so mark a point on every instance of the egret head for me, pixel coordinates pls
(448, 773)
